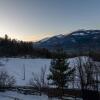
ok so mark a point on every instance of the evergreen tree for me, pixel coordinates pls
(15, 48)
(60, 72)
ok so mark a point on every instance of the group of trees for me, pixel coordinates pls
(85, 73)
(13, 48)
(88, 78)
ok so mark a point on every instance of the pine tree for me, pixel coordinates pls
(60, 72)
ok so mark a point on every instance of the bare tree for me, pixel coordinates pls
(39, 81)
(6, 80)
(88, 78)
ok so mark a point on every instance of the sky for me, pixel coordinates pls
(32, 20)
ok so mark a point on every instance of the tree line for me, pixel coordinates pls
(14, 48)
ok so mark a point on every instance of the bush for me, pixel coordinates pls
(6, 80)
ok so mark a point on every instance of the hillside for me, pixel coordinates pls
(79, 40)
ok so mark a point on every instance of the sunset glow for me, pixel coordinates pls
(32, 20)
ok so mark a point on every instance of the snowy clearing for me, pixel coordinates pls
(15, 67)
(9, 95)
(12, 95)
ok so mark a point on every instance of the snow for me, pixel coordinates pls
(15, 67)
(45, 39)
(9, 95)
(60, 36)
(82, 34)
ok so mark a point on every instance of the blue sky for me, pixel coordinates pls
(36, 19)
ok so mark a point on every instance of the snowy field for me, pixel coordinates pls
(12, 95)
(16, 67)
(9, 95)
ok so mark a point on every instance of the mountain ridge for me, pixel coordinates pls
(81, 38)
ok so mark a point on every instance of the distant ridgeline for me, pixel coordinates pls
(80, 42)
(13, 48)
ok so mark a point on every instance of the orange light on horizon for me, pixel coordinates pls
(35, 37)
(26, 37)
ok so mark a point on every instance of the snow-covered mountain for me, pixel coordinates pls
(49, 38)
(82, 38)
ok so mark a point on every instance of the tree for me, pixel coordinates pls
(88, 73)
(6, 80)
(60, 72)
(39, 81)
(6, 37)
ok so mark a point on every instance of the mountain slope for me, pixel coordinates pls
(84, 39)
